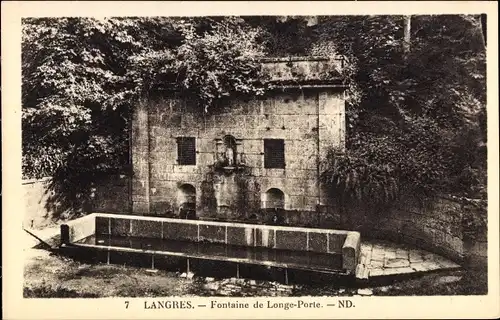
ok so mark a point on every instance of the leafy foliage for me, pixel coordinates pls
(416, 120)
(210, 65)
(379, 165)
(82, 77)
(75, 92)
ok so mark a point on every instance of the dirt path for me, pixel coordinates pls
(51, 275)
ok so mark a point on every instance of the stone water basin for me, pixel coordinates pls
(151, 241)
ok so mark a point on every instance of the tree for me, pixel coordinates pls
(417, 124)
(482, 22)
(75, 90)
(415, 118)
(216, 59)
(82, 77)
(407, 38)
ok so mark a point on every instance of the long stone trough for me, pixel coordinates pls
(153, 240)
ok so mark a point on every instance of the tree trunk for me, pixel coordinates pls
(407, 34)
(482, 24)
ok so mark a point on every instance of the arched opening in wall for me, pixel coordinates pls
(186, 198)
(274, 205)
(274, 199)
(230, 150)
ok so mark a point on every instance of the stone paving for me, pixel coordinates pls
(382, 258)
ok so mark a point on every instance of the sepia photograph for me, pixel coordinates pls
(254, 156)
(239, 156)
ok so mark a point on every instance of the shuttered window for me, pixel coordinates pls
(274, 153)
(186, 150)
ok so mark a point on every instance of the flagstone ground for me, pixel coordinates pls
(383, 258)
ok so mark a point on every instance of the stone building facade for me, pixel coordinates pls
(257, 159)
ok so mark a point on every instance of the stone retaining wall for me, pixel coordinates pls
(35, 202)
(110, 195)
(434, 225)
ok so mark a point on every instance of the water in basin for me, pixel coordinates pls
(215, 251)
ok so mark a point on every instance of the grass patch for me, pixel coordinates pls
(46, 291)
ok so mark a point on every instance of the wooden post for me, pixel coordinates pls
(286, 276)
(187, 266)
(65, 234)
(237, 271)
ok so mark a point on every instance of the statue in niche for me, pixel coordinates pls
(230, 152)
(239, 159)
(230, 156)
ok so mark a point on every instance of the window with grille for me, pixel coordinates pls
(274, 153)
(186, 150)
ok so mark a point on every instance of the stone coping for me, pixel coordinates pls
(216, 223)
(284, 87)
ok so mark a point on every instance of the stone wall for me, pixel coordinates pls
(308, 122)
(40, 207)
(35, 198)
(436, 225)
(112, 195)
(282, 70)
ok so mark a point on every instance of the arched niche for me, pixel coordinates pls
(228, 153)
(273, 198)
(186, 199)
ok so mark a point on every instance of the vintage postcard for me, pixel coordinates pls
(191, 160)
